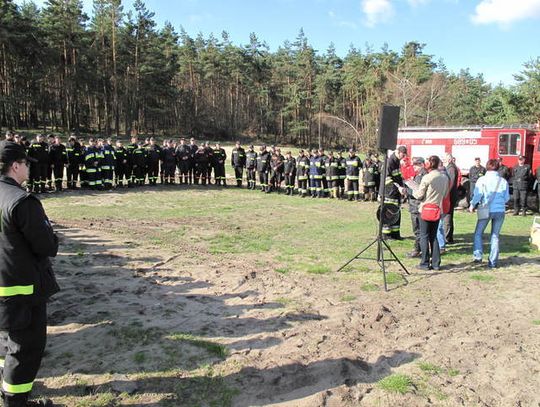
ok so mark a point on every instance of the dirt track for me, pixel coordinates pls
(293, 340)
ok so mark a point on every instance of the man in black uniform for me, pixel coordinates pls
(332, 174)
(263, 167)
(453, 174)
(370, 170)
(289, 170)
(57, 160)
(238, 162)
(27, 241)
(138, 162)
(201, 166)
(475, 172)
(108, 163)
(393, 190)
(521, 175)
(121, 164)
(302, 172)
(251, 166)
(354, 165)
(193, 148)
(92, 163)
(153, 155)
(73, 154)
(184, 156)
(220, 157)
(50, 143)
(169, 163)
(39, 151)
(504, 171)
(130, 174)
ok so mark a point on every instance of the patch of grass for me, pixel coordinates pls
(369, 287)
(393, 278)
(100, 400)
(135, 335)
(318, 269)
(430, 368)
(396, 383)
(214, 348)
(283, 301)
(139, 357)
(348, 298)
(453, 372)
(282, 270)
(482, 277)
(536, 322)
(239, 243)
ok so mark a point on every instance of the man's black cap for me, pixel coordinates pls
(10, 152)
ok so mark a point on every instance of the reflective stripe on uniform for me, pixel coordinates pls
(16, 290)
(17, 388)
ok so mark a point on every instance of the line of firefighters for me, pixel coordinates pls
(100, 165)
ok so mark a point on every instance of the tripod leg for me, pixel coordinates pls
(380, 260)
(358, 255)
(396, 258)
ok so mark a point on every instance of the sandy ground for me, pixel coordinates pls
(292, 340)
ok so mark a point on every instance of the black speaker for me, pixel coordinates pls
(388, 127)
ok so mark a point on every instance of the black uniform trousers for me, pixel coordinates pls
(38, 176)
(219, 174)
(153, 172)
(58, 172)
(200, 175)
(252, 177)
(72, 174)
(138, 175)
(239, 175)
(520, 200)
(184, 170)
(22, 350)
(263, 180)
(289, 182)
(49, 175)
(121, 173)
(168, 172)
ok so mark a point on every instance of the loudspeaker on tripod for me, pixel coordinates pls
(388, 127)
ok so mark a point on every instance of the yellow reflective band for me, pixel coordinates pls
(17, 388)
(16, 290)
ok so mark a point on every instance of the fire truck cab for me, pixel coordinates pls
(467, 143)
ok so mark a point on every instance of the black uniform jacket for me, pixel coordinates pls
(27, 241)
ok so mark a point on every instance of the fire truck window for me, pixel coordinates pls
(508, 143)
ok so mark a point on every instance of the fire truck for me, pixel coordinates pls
(467, 143)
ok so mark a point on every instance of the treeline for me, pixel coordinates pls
(118, 73)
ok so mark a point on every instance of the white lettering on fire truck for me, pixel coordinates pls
(427, 141)
(466, 141)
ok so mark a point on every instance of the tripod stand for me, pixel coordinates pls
(382, 244)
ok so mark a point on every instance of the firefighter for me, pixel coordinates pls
(521, 175)
(27, 240)
(38, 150)
(130, 172)
(370, 169)
(108, 163)
(302, 172)
(153, 156)
(354, 165)
(476, 171)
(393, 190)
(209, 151)
(58, 160)
(251, 167)
(324, 179)
(342, 174)
(263, 167)
(454, 174)
(238, 162)
(193, 149)
(184, 160)
(92, 164)
(73, 158)
(121, 164)
(201, 166)
(219, 159)
(377, 173)
(289, 171)
(276, 170)
(82, 167)
(504, 171)
(316, 174)
(169, 163)
(50, 143)
(332, 174)
(138, 162)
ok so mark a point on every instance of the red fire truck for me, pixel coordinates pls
(467, 143)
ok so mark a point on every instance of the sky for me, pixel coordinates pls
(494, 38)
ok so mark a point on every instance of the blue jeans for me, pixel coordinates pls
(440, 233)
(497, 220)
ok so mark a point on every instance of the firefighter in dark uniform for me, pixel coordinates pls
(73, 156)
(184, 159)
(393, 190)
(92, 165)
(302, 172)
(220, 157)
(289, 171)
(193, 148)
(251, 167)
(521, 175)
(130, 148)
(39, 151)
(108, 163)
(138, 163)
(324, 179)
(504, 171)
(58, 160)
(153, 155)
(209, 151)
(263, 167)
(27, 280)
(201, 166)
(50, 143)
(332, 174)
(121, 164)
(169, 163)
(370, 171)
(354, 165)
(342, 174)
(475, 172)
(276, 170)
(238, 162)
(316, 174)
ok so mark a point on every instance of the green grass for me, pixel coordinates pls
(430, 368)
(348, 298)
(396, 383)
(214, 348)
(486, 278)
(453, 372)
(536, 322)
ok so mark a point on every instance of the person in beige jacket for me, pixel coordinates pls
(432, 190)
